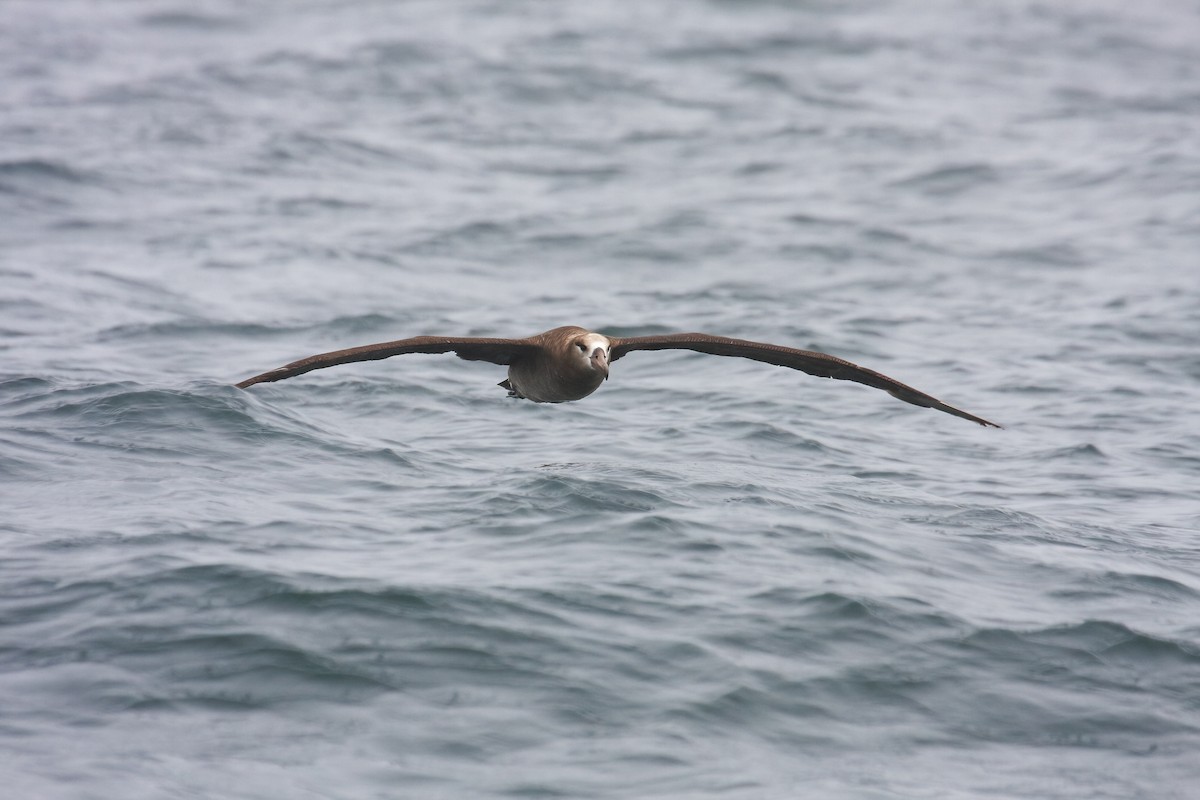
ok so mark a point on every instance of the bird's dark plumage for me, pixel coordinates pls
(570, 363)
(497, 351)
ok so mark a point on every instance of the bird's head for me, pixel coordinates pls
(592, 350)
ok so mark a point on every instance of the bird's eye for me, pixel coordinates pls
(582, 347)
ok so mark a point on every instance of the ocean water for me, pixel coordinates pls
(712, 578)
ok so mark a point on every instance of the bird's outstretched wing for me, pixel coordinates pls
(825, 366)
(497, 351)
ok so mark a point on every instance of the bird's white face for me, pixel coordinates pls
(593, 350)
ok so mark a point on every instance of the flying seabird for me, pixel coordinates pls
(569, 363)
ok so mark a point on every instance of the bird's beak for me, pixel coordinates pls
(600, 361)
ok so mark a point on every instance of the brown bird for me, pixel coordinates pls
(569, 363)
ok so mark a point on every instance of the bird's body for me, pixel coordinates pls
(569, 363)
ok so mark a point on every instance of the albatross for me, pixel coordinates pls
(569, 363)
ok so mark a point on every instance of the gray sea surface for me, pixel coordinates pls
(711, 579)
